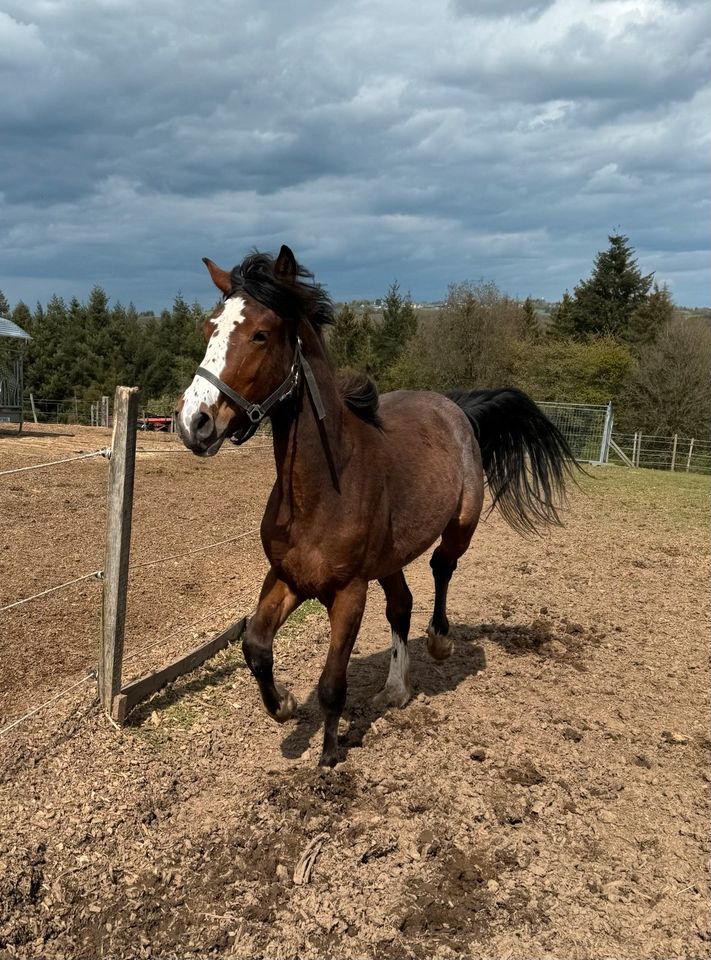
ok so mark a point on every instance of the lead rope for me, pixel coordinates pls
(311, 385)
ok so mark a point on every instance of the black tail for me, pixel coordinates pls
(525, 456)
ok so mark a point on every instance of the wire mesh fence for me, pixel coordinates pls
(680, 454)
(88, 413)
(586, 427)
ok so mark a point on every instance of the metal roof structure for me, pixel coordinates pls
(11, 372)
(10, 329)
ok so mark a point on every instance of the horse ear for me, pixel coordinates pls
(220, 278)
(285, 267)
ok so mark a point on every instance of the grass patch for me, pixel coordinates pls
(680, 499)
(309, 608)
(182, 703)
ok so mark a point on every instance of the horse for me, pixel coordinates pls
(364, 484)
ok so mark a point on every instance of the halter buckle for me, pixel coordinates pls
(254, 412)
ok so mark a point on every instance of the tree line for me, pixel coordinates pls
(85, 350)
(617, 337)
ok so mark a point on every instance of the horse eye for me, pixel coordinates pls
(260, 336)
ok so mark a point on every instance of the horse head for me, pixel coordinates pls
(251, 361)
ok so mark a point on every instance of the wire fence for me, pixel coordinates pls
(103, 452)
(586, 427)
(94, 413)
(679, 454)
(98, 575)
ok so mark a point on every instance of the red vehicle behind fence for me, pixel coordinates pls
(152, 421)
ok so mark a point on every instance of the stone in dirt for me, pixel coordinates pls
(669, 736)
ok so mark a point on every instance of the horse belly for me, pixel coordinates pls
(431, 461)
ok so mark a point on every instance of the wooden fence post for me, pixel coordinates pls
(673, 460)
(691, 450)
(118, 543)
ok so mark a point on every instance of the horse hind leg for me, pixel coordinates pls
(397, 690)
(456, 538)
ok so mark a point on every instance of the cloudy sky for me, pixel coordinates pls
(424, 142)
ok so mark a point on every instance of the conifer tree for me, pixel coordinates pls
(22, 317)
(398, 327)
(651, 317)
(4, 306)
(367, 359)
(343, 338)
(562, 324)
(531, 328)
(605, 302)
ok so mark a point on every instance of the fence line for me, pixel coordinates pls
(188, 553)
(91, 675)
(71, 410)
(98, 574)
(679, 454)
(102, 452)
(110, 676)
(586, 428)
(177, 631)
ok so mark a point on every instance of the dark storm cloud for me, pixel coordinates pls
(500, 140)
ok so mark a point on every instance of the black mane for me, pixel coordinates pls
(255, 276)
(361, 396)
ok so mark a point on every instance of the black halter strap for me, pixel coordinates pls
(258, 411)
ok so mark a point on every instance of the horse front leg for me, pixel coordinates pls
(276, 602)
(345, 614)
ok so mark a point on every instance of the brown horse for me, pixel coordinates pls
(364, 485)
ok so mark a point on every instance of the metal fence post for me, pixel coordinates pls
(118, 543)
(606, 435)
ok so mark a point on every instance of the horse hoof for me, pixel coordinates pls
(391, 697)
(287, 705)
(328, 759)
(439, 647)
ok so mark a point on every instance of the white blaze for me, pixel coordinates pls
(215, 360)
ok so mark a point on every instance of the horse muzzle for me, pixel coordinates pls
(200, 433)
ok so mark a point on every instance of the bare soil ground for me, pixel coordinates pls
(544, 794)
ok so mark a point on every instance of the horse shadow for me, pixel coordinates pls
(366, 677)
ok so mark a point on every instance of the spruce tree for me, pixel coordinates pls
(650, 318)
(562, 325)
(605, 302)
(22, 316)
(4, 306)
(398, 327)
(96, 352)
(367, 359)
(530, 327)
(343, 338)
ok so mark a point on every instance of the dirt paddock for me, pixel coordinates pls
(543, 795)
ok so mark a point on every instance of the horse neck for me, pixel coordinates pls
(309, 453)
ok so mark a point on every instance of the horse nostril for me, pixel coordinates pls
(203, 426)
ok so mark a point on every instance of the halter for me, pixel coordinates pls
(256, 412)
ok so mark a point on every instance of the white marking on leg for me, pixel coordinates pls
(215, 360)
(396, 691)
